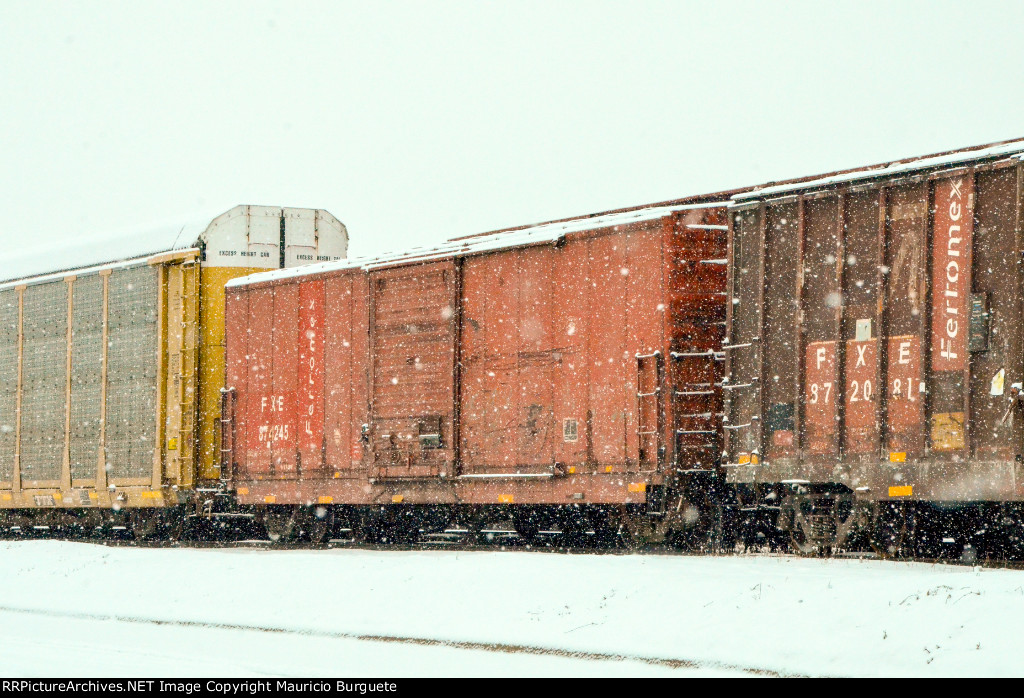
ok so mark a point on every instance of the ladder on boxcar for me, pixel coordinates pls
(228, 400)
(650, 422)
(696, 411)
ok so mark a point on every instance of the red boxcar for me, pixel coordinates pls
(559, 375)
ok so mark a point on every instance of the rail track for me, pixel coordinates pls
(489, 540)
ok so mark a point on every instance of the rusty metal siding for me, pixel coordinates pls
(282, 408)
(549, 354)
(490, 359)
(8, 380)
(86, 376)
(952, 246)
(509, 361)
(310, 385)
(904, 315)
(537, 359)
(277, 368)
(612, 382)
(821, 303)
(744, 344)
(412, 336)
(648, 311)
(996, 271)
(44, 382)
(339, 449)
(361, 375)
(573, 438)
(861, 303)
(258, 405)
(345, 372)
(780, 360)
(476, 384)
(820, 397)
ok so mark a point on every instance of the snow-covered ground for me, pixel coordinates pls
(97, 610)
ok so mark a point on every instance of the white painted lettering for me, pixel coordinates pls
(904, 356)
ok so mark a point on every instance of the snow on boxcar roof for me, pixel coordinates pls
(99, 250)
(936, 162)
(485, 242)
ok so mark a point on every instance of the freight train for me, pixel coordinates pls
(821, 364)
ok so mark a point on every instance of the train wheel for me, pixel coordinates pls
(799, 544)
(321, 528)
(280, 525)
(634, 530)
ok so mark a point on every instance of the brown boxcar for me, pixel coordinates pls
(874, 335)
(563, 374)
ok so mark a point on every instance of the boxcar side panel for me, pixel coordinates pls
(342, 366)
(821, 305)
(781, 360)
(412, 344)
(861, 295)
(612, 391)
(43, 383)
(310, 389)
(360, 427)
(646, 306)
(904, 314)
(132, 373)
(573, 417)
(476, 383)
(510, 361)
(744, 346)
(489, 361)
(86, 376)
(258, 406)
(996, 277)
(8, 381)
(282, 407)
(536, 359)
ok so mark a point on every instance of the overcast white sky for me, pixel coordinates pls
(418, 121)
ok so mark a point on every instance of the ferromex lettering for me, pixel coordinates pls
(951, 271)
